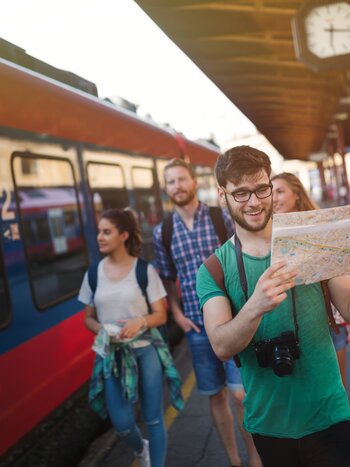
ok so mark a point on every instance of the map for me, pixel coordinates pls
(316, 242)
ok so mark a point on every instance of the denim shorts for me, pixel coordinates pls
(339, 340)
(211, 373)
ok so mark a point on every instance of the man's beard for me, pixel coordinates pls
(184, 201)
(240, 220)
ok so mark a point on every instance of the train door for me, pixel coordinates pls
(107, 186)
(5, 311)
(166, 203)
(147, 204)
(119, 180)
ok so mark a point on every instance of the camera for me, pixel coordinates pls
(279, 352)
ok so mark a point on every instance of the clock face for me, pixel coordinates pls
(328, 30)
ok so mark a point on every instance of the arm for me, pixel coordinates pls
(91, 319)
(230, 336)
(339, 288)
(168, 274)
(151, 320)
(185, 324)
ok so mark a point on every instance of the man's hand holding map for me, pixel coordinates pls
(316, 242)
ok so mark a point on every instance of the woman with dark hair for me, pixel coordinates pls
(289, 195)
(130, 353)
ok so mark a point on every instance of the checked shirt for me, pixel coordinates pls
(189, 249)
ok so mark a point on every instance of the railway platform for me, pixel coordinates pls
(192, 438)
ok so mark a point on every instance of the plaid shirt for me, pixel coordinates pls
(189, 249)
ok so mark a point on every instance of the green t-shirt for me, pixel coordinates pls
(313, 397)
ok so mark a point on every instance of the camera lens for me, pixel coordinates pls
(282, 361)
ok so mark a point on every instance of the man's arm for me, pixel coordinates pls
(339, 288)
(173, 298)
(230, 336)
(168, 275)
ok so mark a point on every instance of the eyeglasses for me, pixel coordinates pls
(242, 196)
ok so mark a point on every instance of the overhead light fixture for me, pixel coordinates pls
(341, 116)
(318, 156)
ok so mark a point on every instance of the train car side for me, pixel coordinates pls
(64, 157)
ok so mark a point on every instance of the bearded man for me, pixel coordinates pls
(192, 239)
(296, 407)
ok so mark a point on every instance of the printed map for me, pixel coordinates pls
(316, 242)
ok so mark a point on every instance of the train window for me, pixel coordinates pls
(107, 186)
(166, 203)
(51, 226)
(4, 296)
(207, 186)
(147, 205)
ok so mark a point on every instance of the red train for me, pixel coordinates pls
(64, 156)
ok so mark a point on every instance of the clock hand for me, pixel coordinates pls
(331, 29)
(336, 30)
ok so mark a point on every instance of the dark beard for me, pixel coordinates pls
(242, 223)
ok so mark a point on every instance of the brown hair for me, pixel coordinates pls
(125, 220)
(239, 162)
(180, 163)
(304, 202)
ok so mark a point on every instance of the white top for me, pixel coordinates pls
(123, 299)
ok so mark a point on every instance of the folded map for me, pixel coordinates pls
(316, 242)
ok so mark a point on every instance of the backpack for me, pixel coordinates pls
(216, 217)
(141, 277)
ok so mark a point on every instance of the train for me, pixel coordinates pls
(66, 155)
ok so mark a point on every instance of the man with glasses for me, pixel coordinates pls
(295, 407)
(193, 239)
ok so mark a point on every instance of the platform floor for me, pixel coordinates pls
(192, 438)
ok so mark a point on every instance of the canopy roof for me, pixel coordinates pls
(246, 48)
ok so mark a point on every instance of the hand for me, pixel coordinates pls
(186, 324)
(131, 328)
(272, 286)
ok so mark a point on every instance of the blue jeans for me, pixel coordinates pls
(122, 412)
(211, 373)
(339, 340)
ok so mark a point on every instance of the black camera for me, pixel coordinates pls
(279, 352)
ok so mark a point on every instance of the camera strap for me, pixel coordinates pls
(244, 284)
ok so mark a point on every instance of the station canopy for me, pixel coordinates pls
(246, 48)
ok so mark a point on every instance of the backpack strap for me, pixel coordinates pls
(214, 268)
(92, 277)
(217, 219)
(327, 300)
(142, 278)
(167, 233)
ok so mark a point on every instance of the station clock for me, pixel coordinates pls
(321, 34)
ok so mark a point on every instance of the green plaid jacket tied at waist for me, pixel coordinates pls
(105, 366)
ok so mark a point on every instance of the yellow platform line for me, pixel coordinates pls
(171, 413)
